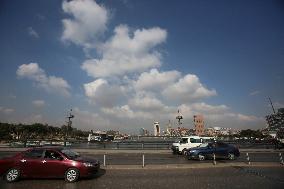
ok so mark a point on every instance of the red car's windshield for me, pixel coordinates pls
(70, 154)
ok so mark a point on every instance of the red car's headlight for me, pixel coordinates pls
(88, 164)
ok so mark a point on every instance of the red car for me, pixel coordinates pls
(48, 163)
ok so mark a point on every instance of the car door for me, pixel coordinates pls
(53, 164)
(210, 151)
(30, 163)
(221, 150)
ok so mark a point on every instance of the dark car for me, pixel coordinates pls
(48, 163)
(207, 151)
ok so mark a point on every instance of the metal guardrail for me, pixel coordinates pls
(123, 144)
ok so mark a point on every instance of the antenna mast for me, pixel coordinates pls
(271, 105)
(179, 118)
(69, 122)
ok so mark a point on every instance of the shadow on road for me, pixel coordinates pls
(33, 183)
(98, 175)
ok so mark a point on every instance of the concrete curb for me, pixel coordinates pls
(190, 166)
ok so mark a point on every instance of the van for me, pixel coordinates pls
(185, 143)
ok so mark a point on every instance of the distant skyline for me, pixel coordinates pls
(125, 64)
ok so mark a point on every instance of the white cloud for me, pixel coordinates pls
(155, 80)
(124, 54)
(221, 116)
(188, 110)
(32, 32)
(247, 118)
(253, 93)
(38, 103)
(209, 109)
(88, 22)
(49, 83)
(6, 111)
(146, 102)
(90, 120)
(102, 93)
(34, 118)
(187, 89)
(126, 112)
(128, 88)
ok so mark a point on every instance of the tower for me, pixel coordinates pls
(156, 129)
(69, 122)
(179, 118)
(198, 124)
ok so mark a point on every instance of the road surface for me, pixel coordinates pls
(228, 177)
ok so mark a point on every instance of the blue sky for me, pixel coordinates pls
(124, 64)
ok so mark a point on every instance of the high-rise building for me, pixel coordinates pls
(198, 124)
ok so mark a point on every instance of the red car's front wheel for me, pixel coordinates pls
(72, 175)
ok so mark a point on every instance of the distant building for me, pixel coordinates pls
(143, 132)
(198, 124)
(169, 129)
(209, 131)
(156, 129)
(220, 131)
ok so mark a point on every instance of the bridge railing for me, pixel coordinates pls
(122, 144)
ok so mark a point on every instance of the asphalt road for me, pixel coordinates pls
(228, 177)
(168, 158)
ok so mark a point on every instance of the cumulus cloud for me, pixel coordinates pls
(126, 112)
(102, 93)
(128, 87)
(49, 83)
(247, 118)
(155, 80)
(88, 22)
(32, 32)
(146, 102)
(127, 52)
(209, 109)
(187, 89)
(38, 103)
(90, 120)
(221, 116)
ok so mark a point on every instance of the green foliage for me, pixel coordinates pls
(37, 131)
(251, 133)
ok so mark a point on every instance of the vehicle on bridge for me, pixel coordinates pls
(188, 142)
(48, 163)
(207, 151)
